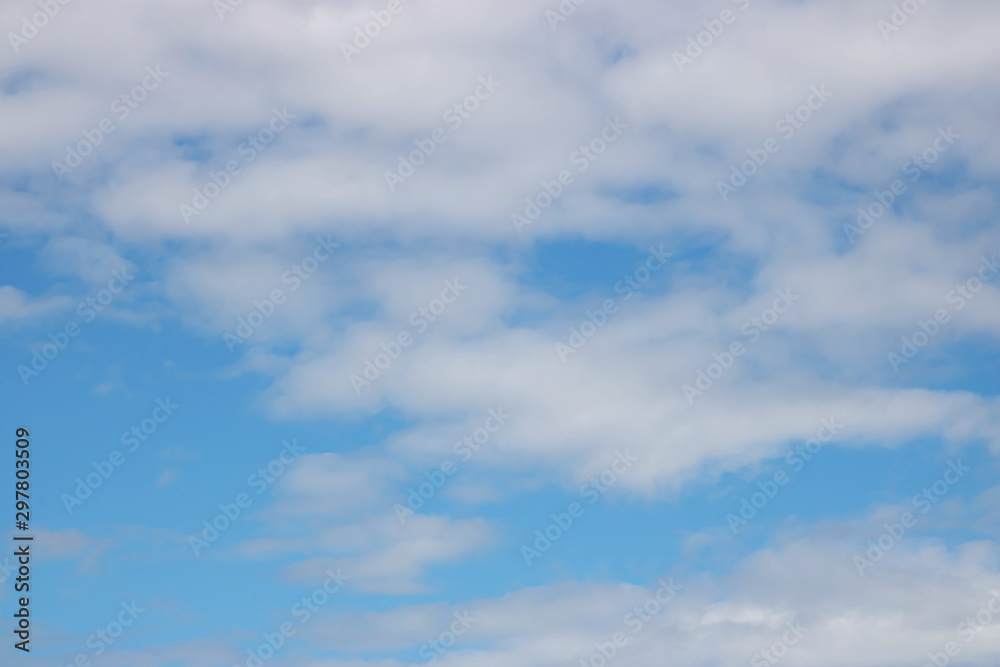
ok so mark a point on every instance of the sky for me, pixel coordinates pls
(406, 332)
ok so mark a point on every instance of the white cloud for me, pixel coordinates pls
(17, 306)
(893, 617)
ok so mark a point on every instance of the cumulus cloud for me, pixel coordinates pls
(16, 306)
(240, 145)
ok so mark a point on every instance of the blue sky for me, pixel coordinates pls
(619, 331)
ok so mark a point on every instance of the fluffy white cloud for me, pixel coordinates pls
(16, 306)
(892, 616)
